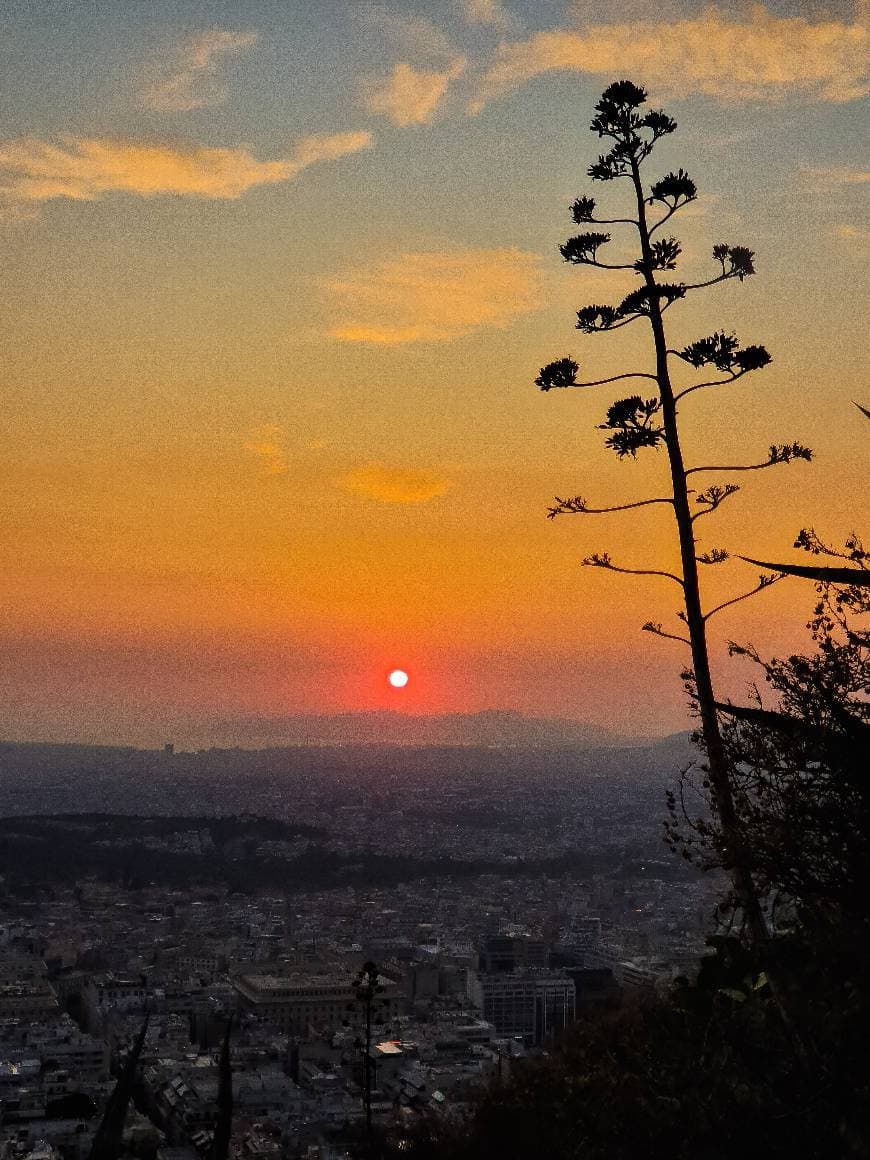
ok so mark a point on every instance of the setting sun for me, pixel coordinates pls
(398, 678)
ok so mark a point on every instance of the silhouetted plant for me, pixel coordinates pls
(223, 1127)
(824, 574)
(800, 769)
(109, 1138)
(367, 987)
(638, 423)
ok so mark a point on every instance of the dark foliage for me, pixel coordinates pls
(223, 1127)
(721, 351)
(736, 261)
(108, 1140)
(631, 421)
(787, 453)
(674, 189)
(591, 318)
(583, 210)
(561, 373)
(800, 770)
(703, 1074)
(582, 250)
(664, 256)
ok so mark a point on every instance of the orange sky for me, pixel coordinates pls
(276, 286)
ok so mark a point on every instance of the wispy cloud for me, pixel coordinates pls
(489, 12)
(391, 484)
(267, 444)
(836, 175)
(86, 168)
(191, 76)
(856, 239)
(759, 57)
(408, 96)
(414, 37)
(434, 296)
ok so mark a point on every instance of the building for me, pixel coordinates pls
(502, 954)
(531, 1006)
(296, 1002)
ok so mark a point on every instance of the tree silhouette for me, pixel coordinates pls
(651, 421)
(108, 1141)
(800, 768)
(367, 987)
(223, 1127)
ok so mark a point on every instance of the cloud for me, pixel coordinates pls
(761, 57)
(394, 484)
(86, 168)
(267, 444)
(411, 36)
(434, 296)
(837, 175)
(190, 78)
(856, 239)
(408, 96)
(488, 12)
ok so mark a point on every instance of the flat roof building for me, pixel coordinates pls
(295, 1002)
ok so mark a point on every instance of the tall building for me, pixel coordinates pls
(532, 1005)
(501, 954)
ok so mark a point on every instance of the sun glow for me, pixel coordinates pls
(398, 678)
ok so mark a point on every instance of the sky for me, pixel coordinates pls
(277, 280)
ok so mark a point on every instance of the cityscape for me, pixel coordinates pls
(434, 651)
(502, 893)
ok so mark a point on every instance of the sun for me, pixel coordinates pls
(398, 678)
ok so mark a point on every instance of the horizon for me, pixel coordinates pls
(278, 284)
(264, 733)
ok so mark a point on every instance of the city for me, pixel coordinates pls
(519, 889)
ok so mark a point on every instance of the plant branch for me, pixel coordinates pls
(577, 506)
(763, 582)
(714, 497)
(616, 378)
(656, 629)
(602, 560)
(710, 282)
(617, 325)
(670, 214)
(710, 383)
(778, 453)
(604, 265)
(859, 576)
(731, 467)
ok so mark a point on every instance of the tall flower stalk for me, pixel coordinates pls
(639, 422)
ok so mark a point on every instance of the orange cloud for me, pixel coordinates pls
(761, 57)
(190, 79)
(411, 97)
(267, 444)
(394, 484)
(434, 296)
(86, 168)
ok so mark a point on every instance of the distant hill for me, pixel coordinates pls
(491, 727)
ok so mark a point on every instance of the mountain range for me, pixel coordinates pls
(491, 727)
